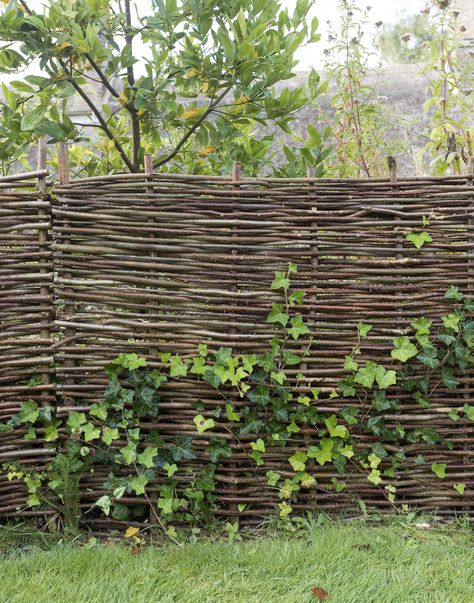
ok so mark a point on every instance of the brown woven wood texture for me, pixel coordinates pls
(163, 263)
(26, 360)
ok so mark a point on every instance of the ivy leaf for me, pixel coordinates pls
(279, 377)
(296, 298)
(218, 448)
(454, 293)
(285, 509)
(157, 378)
(259, 445)
(335, 430)
(449, 379)
(323, 452)
(298, 327)
(100, 410)
(182, 449)
(129, 453)
(109, 434)
(454, 415)
(202, 349)
(29, 412)
(170, 469)
(422, 326)
(298, 460)
(459, 488)
(350, 364)
(451, 321)
(366, 376)
(272, 477)
(439, 469)
(291, 358)
(374, 460)
(278, 315)
(131, 362)
(380, 401)
(419, 238)
(147, 457)
(350, 414)
(305, 400)
(76, 420)
(374, 477)
(253, 426)
(259, 395)
(223, 355)
(429, 357)
(137, 484)
(281, 281)
(90, 432)
(379, 450)
(203, 424)
(104, 503)
(469, 410)
(404, 349)
(446, 338)
(51, 433)
(178, 367)
(385, 378)
(230, 413)
(363, 329)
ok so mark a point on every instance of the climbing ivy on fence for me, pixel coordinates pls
(273, 409)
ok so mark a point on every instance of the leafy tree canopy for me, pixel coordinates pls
(187, 80)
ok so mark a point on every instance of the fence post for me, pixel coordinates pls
(314, 261)
(470, 264)
(148, 166)
(236, 176)
(63, 178)
(44, 215)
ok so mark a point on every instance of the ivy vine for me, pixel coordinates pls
(262, 408)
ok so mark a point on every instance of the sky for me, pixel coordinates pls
(387, 11)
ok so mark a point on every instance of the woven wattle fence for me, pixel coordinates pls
(162, 262)
(26, 314)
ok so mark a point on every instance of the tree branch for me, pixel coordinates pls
(99, 117)
(136, 134)
(193, 128)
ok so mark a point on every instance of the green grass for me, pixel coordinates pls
(354, 564)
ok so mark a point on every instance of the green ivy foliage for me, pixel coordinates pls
(263, 407)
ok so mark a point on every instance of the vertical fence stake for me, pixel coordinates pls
(63, 178)
(392, 174)
(236, 176)
(148, 165)
(45, 289)
(314, 260)
(470, 265)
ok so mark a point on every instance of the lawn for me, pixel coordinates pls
(353, 563)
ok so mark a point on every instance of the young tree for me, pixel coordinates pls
(188, 80)
(450, 81)
(360, 124)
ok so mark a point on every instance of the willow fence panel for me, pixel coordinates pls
(165, 262)
(152, 263)
(26, 303)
